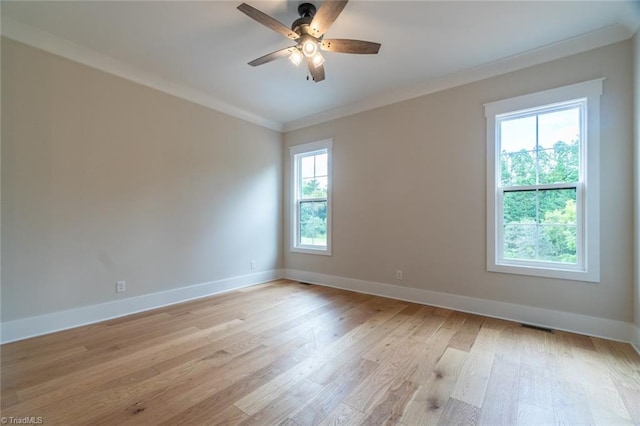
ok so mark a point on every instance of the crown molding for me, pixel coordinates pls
(582, 43)
(67, 49)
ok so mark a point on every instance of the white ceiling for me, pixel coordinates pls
(200, 50)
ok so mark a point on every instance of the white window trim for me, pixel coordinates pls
(305, 149)
(588, 192)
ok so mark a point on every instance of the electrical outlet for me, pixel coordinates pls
(121, 286)
(253, 264)
(399, 274)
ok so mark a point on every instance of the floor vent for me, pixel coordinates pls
(537, 327)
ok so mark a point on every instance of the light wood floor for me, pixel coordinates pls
(292, 354)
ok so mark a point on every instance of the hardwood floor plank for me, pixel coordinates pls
(48, 389)
(533, 415)
(474, 376)
(534, 386)
(210, 406)
(429, 400)
(287, 405)
(262, 396)
(421, 368)
(570, 403)
(389, 345)
(187, 388)
(466, 335)
(607, 406)
(292, 354)
(631, 399)
(365, 337)
(391, 406)
(620, 360)
(396, 366)
(459, 413)
(8, 399)
(488, 335)
(333, 393)
(343, 415)
(500, 405)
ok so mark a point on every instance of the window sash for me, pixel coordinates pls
(588, 185)
(298, 153)
(300, 224)
(580, 228)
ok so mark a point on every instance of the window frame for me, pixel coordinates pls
(587, 267)
(296, 153)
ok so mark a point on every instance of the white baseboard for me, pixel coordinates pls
(635, 340)
(62, 320)
(599, 327)
(576, 323)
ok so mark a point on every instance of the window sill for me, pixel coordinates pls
(305, 250)
(546, 272)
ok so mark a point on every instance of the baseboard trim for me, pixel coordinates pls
(592, 326)
(565, 321)
(21, 329)
(635, 340)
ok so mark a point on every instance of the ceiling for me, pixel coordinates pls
(199, 50)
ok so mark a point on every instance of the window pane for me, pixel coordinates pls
(540, 225)
(307, 168)
(558, 126)
(558, 206)
(520, 207)
(314, 188)
(520, 210)
(559, 146)
(520, 241)
(518, 168)
(518, 134)
(557, 232)
(313, 223)
(557, 243)
(321, 165)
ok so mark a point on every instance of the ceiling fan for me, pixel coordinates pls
(308, 33)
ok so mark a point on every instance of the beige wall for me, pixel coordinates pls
(636, 122)
(409, 191)
(105, 180)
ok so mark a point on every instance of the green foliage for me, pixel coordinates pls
(311, 189)
(313, 214)
(540, 224)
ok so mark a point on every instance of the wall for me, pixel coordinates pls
(409, 192)
(106, 180)
(636, 122)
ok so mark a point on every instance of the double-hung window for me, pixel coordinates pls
(542, 183)
(311, 195)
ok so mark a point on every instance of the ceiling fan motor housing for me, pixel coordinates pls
(306, 10)
(301, 25)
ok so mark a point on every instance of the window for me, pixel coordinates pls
(543, 183)
(311, 194)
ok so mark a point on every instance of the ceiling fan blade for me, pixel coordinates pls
(268, 21)
(272, 56)
(350, 46)
(316, 72)
(326, 15)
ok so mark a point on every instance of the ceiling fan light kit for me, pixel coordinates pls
(308, 33)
